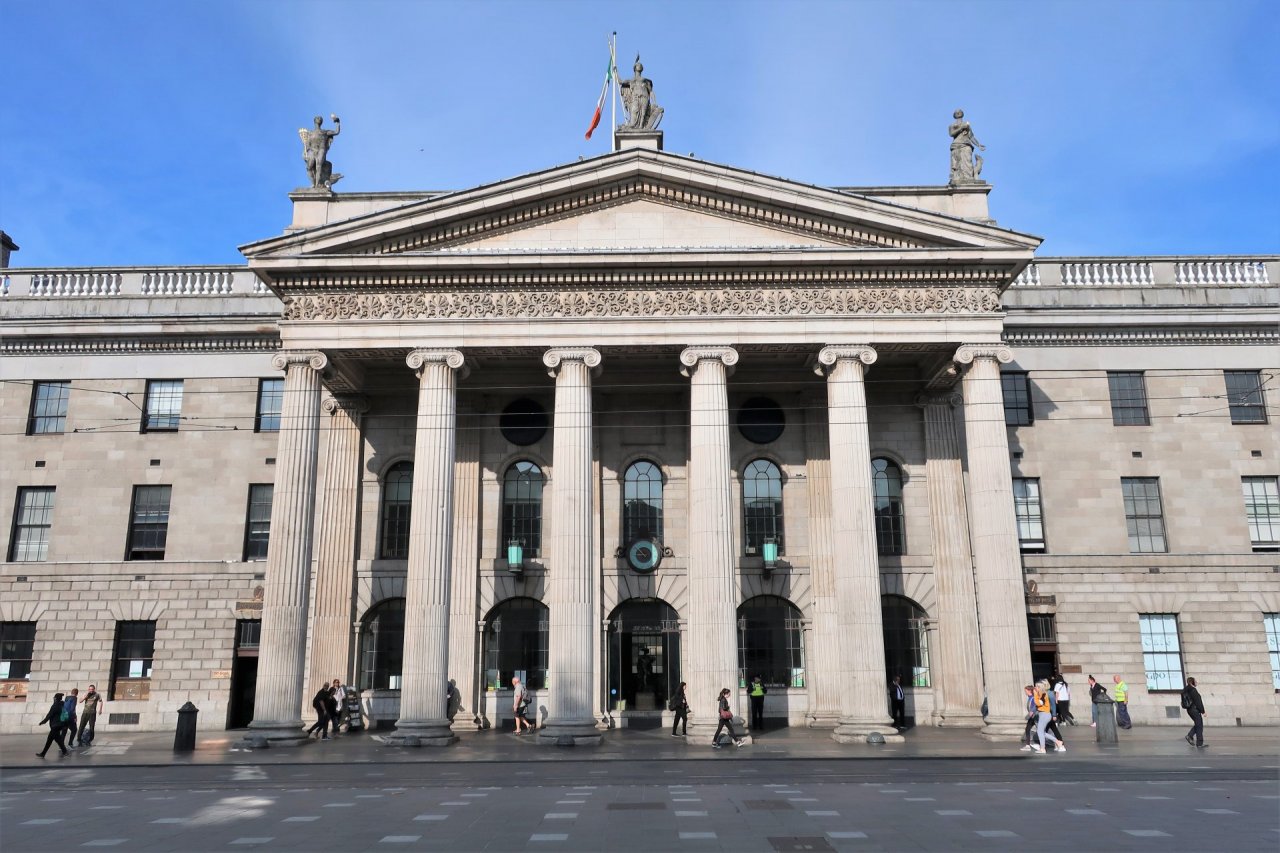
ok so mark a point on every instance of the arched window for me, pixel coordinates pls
(382, 645)
(515, 644)
(397, 492)
(886, 481)
(642, 502)
(761, 505)
(522, 508)
(906, 642)
(770, 642)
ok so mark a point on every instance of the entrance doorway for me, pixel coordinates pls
(244, 673)
(1043, 633)
(644, 657)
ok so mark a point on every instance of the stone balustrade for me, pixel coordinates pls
(1220, 272)
(1108, 274)
(1151, 271)
(78, 283)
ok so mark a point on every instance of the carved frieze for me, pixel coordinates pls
(721, 302)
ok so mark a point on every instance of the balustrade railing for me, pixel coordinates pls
(1108, 274)
(1146, 272)
(148, 281)
(1220, 272)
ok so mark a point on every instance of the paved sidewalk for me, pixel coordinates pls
(150, 749)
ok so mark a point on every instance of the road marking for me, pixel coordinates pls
(251, 841)
(338, 805)
(692, 836)
(301, 818)
(400, 839)
(159, 798)
(1216, 811)
(953, 812)
(1104, 789)
(996, 833)
(1155, 798)
(1146, 833)
(893, 790)
(104, 842)
(549, 836)
(475, 795)
(918, 799)
(802, 799)
(170, 820)
(373, 796)
(1037, 798)
(41, 821)
(560, 816)
(101, 808)
(811, 813)
(999, 790)
(839, 835)
(457, 803)
(691, 814)
(1084, 811)
(432, 817)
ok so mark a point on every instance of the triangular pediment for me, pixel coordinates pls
(639, 200)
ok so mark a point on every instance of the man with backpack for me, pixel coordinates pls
(1194, 706)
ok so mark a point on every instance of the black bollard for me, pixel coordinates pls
(1106, 708)
(184, 739)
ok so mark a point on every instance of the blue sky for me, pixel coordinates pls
(159, 132)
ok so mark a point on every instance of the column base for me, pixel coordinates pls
(570, 734)
(959, 719)
(1003, 729)
(271, 734)
(435, 733)
(822, 721)
(866, 733)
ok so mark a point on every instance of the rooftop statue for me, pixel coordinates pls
(966, 164)
(315, 152)
(637, 97)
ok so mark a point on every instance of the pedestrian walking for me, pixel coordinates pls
(726, 720)
(898, 703)
(680, 705)
(520, 702)
(1095, 690)
(1053, 720)
(1121, 696)
(321, 704)
(1029, 706)
(57, 726)
(1194, 706)
(756, 693)
(332, 708)
(1044, 714)
(1062, 692)
(339, 714)
(89, 708)
(70, 727)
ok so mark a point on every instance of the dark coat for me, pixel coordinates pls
(321, 702)
(54, 717)
(1097, 690)
(1191, 698)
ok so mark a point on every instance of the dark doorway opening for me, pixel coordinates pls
(244, 673)
(644, 659)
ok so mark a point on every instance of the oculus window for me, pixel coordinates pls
(523, 422)
(761, 420)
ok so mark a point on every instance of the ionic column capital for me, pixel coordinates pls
(830, 356)
(949, 398)
(589, 356)
(967, 353)
(419, 358)
(285, 358)
(352, 404)
(689, 358)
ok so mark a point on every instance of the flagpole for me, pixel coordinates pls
(613, 94)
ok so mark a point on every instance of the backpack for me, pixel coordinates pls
(65, 716)
(1187, 704)
(672, 705)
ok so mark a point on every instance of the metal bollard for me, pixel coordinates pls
(184, 739)
(1106, 708)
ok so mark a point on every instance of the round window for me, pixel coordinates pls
(523, 422)
(760, 420)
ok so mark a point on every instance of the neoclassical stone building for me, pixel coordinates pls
(631, 421)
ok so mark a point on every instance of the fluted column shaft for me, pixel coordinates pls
(709, 658)
(336, 540)
(466, 569)
(1002, 615)
(860, 669)
(423, 695)
(573, 577)
(958, 654)
(282, 654)
(826, 693)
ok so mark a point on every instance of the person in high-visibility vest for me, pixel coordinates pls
(1120, 693)
(756, 693)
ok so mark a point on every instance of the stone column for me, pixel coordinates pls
(336, 540)
(1002, 611)
(282, 656)
(859, 667)
(466, 571)
(822, 655)
(573, 576)
(958, 653)
(423, 695)
(709, 660)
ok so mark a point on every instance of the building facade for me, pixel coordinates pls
(635, 421)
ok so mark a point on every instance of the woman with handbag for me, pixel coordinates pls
(726, 721)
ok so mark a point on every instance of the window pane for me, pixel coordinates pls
(1262, 509)
(149, 526)
(522, 509)
(397, 498)
(771, 642)
(17, 645)
(886, 483)
(1244, 395)
(1143, 515)
(134, 649)
(642, 503)
(1017, 399)
(1271, 624)
(515, 644)
(257, 532)
(382, 646)
(1128, 399)
(164, 405)
(761, 506)
(1161, 652)
(49, 408)
(1026, 505)
(906, 647)
(270, 402)
(33, 516)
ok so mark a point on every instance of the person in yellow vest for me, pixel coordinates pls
(1120, 693)
(757, 704)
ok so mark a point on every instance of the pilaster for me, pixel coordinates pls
(464, 592)
(860, 666)
(282, 655)
(826, 693)
(573, 579)
(1002, 618)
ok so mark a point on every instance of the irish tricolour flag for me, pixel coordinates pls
(604, 91)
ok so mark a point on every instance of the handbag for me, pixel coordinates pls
(726, 715)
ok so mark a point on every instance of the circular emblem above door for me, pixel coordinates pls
(644, 555)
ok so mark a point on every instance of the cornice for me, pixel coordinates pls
(1132, 336)
(138, 345)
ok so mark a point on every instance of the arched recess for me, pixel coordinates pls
(382, 645)
(906, 641)
(771, 641)
(643, 655)
(515, 644)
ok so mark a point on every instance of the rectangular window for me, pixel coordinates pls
(257, 525)
(1161, 651)
(148, 523)
(1128, 399)
(1271, 623)
(32, 518)
(1244, 395)
(1017, 399)
(1143, 515)
(1262, 509)
(270, 403)
(131, 671)
(48, 408)
(1026, 507)
(164, 405)
(17, 647)
(1042, 628)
